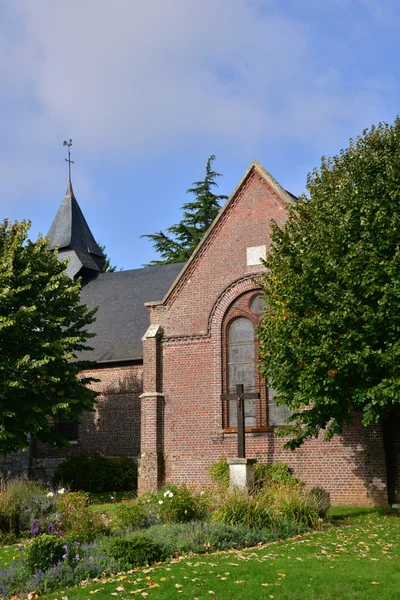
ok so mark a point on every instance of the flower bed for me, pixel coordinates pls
(67, 542)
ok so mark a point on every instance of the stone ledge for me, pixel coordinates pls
(241, 461)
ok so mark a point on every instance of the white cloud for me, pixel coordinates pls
(133, 78)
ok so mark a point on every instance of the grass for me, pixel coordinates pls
(355, 558)
(107, 497)
(7, 555)
(106, 503)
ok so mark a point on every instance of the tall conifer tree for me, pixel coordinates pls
(197, 218)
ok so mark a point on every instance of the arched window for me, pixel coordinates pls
(241, 367)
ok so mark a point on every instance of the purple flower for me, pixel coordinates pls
(34, 527)
(64, 555)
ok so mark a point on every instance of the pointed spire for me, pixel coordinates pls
(70, 232)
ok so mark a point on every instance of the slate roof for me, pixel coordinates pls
(122, 319)
(70, 232)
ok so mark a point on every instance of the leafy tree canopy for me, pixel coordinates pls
(42, 326)
(330, 338)
(197, 218)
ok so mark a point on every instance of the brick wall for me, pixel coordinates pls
(351, 467)
(114, 428)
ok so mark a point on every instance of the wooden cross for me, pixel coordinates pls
(240, 396)
(68, 160)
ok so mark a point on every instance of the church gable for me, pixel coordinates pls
(230, 250)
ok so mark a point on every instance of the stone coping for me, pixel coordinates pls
(241, 461)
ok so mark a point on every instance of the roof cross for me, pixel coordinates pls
(68, 160)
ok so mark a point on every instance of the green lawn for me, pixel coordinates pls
(355, 558)
(7, 555)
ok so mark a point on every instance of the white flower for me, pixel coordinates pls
(166, 493)
(201, 493)
(160, 502)
(170, 495)
(50, 495)
(62, 491)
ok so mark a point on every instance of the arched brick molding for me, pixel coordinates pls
(236, 289)
(230, 294)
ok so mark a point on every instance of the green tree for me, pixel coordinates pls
(42, 327)
(107, 266)
(197, 218)
(330, 338)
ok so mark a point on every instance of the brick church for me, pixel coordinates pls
(171, 340)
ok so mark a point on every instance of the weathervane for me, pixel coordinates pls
(68, 160)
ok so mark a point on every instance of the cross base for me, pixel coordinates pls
(241, 474)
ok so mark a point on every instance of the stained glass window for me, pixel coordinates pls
(241, 367)
(277, 415)
(257, 304)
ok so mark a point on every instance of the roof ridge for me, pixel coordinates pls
(254, 165)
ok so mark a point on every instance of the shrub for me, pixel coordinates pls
(320, 499)
(9, 514)
(201, 537)
(92, 562)
(96, 473)
(13, 579)
(268, 505)
(36, 503)
(76, 518)
(291, 503)
(175, 504)
(45, 551)
(135, 551)
(131, 515)
(219, 472)
(247, 510)
(275, 472)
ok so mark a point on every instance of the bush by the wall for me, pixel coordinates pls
(45, 551)
(291, 502)
(275, 472)
(219, 472)
(320, 499)
(136, 550)
(247, 510)
(96, 473)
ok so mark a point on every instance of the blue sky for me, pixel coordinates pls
(149, 90)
